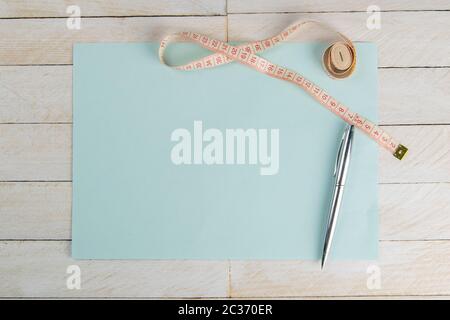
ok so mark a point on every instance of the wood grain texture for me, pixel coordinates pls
(42, 210)
(414, 211)
(43, 152)
(35, 94)
(45, 95)
(372, 297)
(255, 6)
(35, 210)
(428, 158)
(414, 96)
(49, 41)
(57, 8)
(35, 152)
(414, 193)
(405, 39)
(406, 268)
(38, 269)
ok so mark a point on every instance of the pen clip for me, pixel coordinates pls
(338, 157)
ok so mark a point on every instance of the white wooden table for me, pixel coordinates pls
(35, 149)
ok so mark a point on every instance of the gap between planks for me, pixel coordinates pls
(121, 17)
(331, 11)
(88, 8)
(70, 240)
(292, 6)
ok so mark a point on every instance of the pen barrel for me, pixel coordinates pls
(343, 157)
(335, 206)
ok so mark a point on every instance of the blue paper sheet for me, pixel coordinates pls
(131, 200)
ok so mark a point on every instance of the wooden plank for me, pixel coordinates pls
(43, 152)
(35, 210)
(49, 41)
(35, 152)
(428, 158)
(416, 297)
(403, 41)
(52, 8)
(414, 96)
(255, 6)
(38, 269)
(373, 297)
(405, 268)
(45, 95)
(35, 94)
(414, 211)
(42, 210)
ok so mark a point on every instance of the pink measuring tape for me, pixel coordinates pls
(247, 54)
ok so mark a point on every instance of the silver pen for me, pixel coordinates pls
(340, 174)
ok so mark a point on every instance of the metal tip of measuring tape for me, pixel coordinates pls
(400, 152)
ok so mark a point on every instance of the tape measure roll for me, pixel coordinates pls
(339, 61)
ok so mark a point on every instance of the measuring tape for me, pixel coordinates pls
(339, 61)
